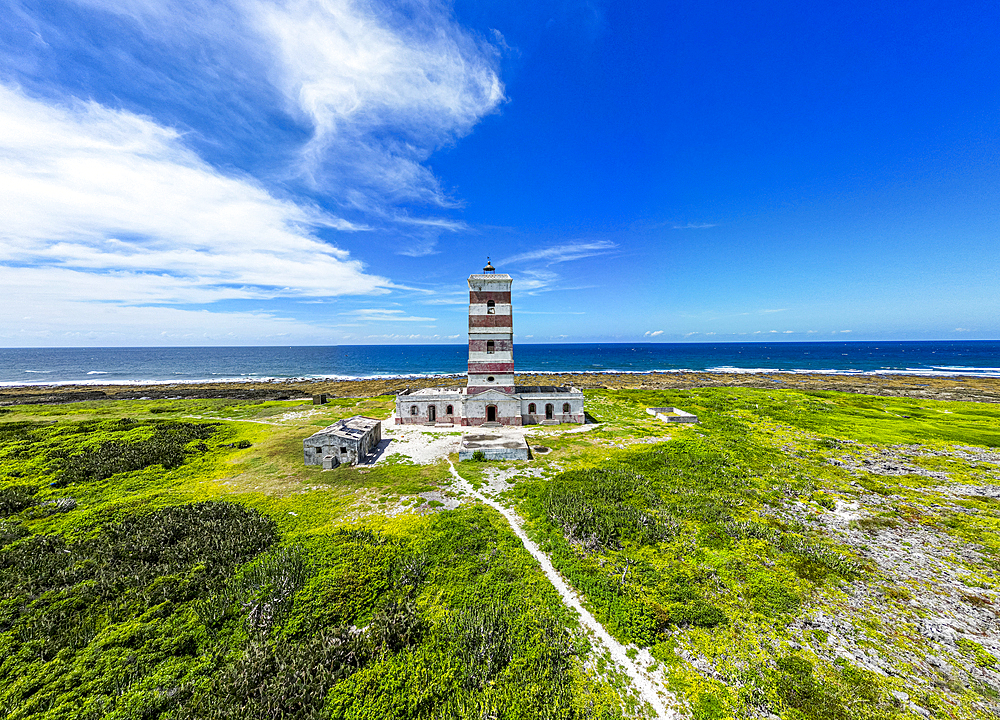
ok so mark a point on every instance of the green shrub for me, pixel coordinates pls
(280, 681)
(15, 498)
(165, 447)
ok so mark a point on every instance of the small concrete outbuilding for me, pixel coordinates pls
(346, 442)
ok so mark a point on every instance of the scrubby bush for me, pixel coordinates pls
(58, 595)
(165, 446)
(279, 681)
(15, 498)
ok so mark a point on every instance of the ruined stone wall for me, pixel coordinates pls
(508, 411)
(406, 403)
(559, 401)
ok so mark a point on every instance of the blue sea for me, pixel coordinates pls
(104, 366)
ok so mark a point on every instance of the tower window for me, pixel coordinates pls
(490, 347)
(491, 307)
(489, 379)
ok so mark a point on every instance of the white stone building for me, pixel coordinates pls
(346, 442)
(490, 396)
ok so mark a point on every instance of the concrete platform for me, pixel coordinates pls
(672, 414)
(494, 447)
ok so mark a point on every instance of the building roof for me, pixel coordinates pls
(354, 427)
(433, 391)
(542, 389)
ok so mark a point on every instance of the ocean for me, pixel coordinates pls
(104, 366)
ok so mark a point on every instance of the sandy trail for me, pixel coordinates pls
(642, 680)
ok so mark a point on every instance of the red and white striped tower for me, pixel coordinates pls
(491, 332)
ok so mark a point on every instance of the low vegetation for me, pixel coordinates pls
(796, 554)
(718, 548)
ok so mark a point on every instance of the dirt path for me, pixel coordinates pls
(642, 680)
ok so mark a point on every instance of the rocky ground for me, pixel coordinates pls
(931, 618)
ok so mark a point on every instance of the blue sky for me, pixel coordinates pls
(321, 171)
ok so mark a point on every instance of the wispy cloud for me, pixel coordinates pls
(694, 226)
(563, 253)
(355, 73)
(397, 337)
(551, 312)
(110, 203)
(381, 315)
(652, 333)
(374, 89)
(463, 299)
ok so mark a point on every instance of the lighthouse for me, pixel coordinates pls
(490, 398)
(491, 332)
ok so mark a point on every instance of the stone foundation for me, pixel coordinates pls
(494, 447)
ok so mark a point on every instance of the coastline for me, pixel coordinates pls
(970, 388)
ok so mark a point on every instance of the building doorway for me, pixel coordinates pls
(491, 413)
(431, 413)
(548, 411)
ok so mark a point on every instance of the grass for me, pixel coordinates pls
(204, 571)
(717, 540)
(176, 559)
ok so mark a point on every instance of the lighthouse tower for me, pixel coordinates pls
(491, 333)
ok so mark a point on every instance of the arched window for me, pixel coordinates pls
(490, 347)
(531, 409)
(449, 411)
(491, 308)
(413, 409)
(565, 407)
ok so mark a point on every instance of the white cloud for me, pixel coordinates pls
(563, 253)
(356, 74)
(100, 205)
(381, 86)
(66, 322)
(463, 299)
(396, 337)
(694, 226)
(652, 333)
(380, 315)
(97, 191)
